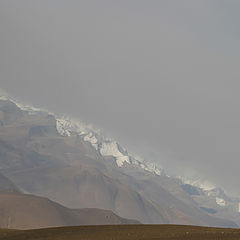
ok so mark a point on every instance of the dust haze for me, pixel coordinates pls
(160, 76)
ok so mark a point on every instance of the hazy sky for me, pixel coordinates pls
(160, 76)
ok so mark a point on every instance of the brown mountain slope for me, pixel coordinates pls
(124, 232)
(21, 211)
(89, 188)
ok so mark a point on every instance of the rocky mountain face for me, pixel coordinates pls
(74, 165)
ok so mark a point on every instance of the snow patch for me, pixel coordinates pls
(220, 202)
(61, 128)
(91, 138)
(120, 160)
(111, 148)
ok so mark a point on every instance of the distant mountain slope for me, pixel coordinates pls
(19, 211)
(68, 167)
(7, 185)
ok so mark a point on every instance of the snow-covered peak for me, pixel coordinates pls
(107, 147)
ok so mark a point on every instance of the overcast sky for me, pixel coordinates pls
(160, 76)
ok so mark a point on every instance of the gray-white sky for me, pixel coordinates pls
(161, 76)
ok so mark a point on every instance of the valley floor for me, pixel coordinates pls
(123, 232)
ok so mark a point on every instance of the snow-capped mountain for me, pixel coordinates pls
(67, 126)
(105, 146)
(204, 194)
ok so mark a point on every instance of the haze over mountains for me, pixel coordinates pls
(157, 75)
(76, 166)
(155, 84)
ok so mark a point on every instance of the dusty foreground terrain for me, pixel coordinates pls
(128, 232)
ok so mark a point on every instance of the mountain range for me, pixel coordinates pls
(63, 164)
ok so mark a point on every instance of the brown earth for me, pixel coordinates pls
(124, 232)
(21, 211)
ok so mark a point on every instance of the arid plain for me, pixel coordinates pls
(124, 232)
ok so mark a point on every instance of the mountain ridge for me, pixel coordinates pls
(80, 164)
